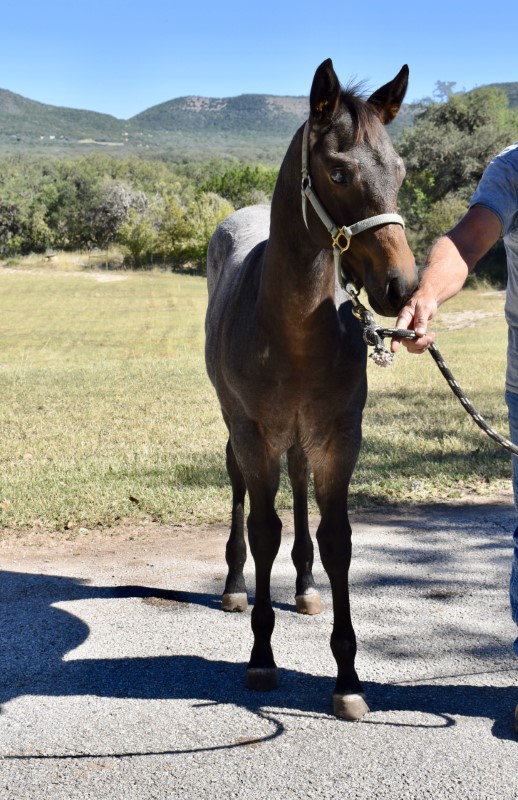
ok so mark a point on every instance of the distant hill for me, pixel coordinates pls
(249, 126)
(28, 118)
(253, 127)
(248, 112)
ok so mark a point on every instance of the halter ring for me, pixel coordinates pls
(336, 240)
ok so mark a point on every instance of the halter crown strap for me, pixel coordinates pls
(341, 237)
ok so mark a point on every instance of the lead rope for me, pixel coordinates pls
(374, 335)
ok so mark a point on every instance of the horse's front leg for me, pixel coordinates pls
(261, 472)
(334, 541)
(307, 597)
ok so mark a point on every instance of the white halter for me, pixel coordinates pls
(341, 237)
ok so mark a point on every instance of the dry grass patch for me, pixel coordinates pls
(107, 412)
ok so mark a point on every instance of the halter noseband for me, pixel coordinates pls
(340, 237)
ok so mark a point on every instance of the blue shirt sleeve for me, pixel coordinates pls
(498, 189)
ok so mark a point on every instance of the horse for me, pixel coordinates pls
(287, 358)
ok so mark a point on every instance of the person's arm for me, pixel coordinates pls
(448, 264)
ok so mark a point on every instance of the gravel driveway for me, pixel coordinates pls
(121, 678)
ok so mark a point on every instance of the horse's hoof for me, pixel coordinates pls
(237, 601)
(350, 706)
(262, 680)
(309, 604)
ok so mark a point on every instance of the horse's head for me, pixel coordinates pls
(356, 174)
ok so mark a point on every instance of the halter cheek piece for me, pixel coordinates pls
(340, 237)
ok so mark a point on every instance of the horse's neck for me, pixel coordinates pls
(297, 274)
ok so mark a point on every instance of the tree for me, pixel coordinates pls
(202, 217)
(446, 152)
(243, 185)
(11, 227)
(173, 230)
(110, 209)
(138, 234)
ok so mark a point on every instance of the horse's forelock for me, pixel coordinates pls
(362, 113)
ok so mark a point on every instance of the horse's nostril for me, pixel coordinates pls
(398, 292)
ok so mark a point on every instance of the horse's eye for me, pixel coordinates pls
(338, 176)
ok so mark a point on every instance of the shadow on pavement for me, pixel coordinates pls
(35, 637)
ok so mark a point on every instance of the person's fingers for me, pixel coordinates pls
(406, 315)
(422, 317)
(419, 345)
(404, 321)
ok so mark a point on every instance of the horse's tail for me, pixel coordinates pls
(220, 247)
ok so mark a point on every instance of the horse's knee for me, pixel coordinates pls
(264, 534)
(335, 548)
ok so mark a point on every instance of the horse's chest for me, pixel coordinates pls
(301, 388)
(296, 399)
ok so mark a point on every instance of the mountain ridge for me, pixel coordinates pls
(246, 125)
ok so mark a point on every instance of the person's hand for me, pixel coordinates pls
(416, 315)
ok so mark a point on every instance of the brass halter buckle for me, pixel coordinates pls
(336, 240)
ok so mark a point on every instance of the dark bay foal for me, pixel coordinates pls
(287, 357)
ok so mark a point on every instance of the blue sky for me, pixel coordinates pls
(123, 57)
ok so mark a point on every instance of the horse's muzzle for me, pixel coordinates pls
(398, 290)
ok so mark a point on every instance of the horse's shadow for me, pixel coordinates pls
(35, 636)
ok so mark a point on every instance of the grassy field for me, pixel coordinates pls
(106, 411)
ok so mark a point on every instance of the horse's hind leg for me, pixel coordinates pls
(307, 597)
(261, 470)
(235, 597)
(264, 536)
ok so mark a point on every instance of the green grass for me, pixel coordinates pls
(419, 443)
(106, 411)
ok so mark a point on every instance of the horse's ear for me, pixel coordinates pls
(325, 92)
(388, 99)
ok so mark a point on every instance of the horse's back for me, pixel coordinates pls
(232, 273)
(233, 239)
